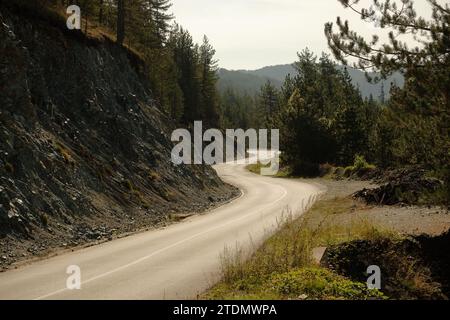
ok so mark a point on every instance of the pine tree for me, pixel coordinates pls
(162, 19)
(186, 60)
(208, 81)
(306, 139)
(120, 21)
(268, 104)
(419, 113)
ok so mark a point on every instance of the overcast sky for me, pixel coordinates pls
(249, 34)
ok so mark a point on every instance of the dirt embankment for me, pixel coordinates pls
(411, 268)
(415, 263)
(408, 186)
(84, 151)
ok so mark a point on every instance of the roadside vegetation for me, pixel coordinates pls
(285, 266)
(360, 168)
(255, 168)
(323, 119)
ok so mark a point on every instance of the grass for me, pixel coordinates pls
(319, 283)
(65, 153)
(169, 195)
(154, 176)
(283, 267)
(255, 168)
(44, 219)
(128, 185)
(359, 168)
(136, 193)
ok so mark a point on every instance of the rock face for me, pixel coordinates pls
(84, 152)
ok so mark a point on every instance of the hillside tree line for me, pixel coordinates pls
(324, 119)
(182, 74)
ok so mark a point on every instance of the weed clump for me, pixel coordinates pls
(320, 283)
(154, 176)
(44, 219)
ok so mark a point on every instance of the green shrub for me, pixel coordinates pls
(361, 164)
(348, 171)
(320, 283)
(360, 167)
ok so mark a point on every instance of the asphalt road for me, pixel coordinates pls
(177, 262)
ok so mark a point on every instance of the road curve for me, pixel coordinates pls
(177, 262)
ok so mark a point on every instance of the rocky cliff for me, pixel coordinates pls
(84, 152)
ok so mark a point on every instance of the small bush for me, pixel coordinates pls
(154, 176)
(283, 172)
(320, 283)
(288, 253)
(255, 168)
(348, 171)
(44, 219)
(359, 168)
(360, 163)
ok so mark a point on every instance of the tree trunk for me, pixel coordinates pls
(100, 13)
(120, 22)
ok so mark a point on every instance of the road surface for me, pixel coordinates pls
(177, 262)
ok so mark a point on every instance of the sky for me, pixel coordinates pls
(250, 34)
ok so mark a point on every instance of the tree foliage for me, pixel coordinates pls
(417, 121)
(182, 74)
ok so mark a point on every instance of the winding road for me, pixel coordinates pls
(177, 262)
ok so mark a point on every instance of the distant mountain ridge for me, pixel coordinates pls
(250, 81)
(243, 81)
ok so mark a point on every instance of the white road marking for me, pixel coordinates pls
(169, 247)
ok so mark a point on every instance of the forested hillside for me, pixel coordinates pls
(85, 150)
(250, 81)
(380, 157)
(244, 82)
(325, 120)
(181, 73)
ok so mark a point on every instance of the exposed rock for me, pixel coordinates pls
(82, 144)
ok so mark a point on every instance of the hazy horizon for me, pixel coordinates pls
(252, 34)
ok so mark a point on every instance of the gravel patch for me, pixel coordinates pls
(412, 220)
